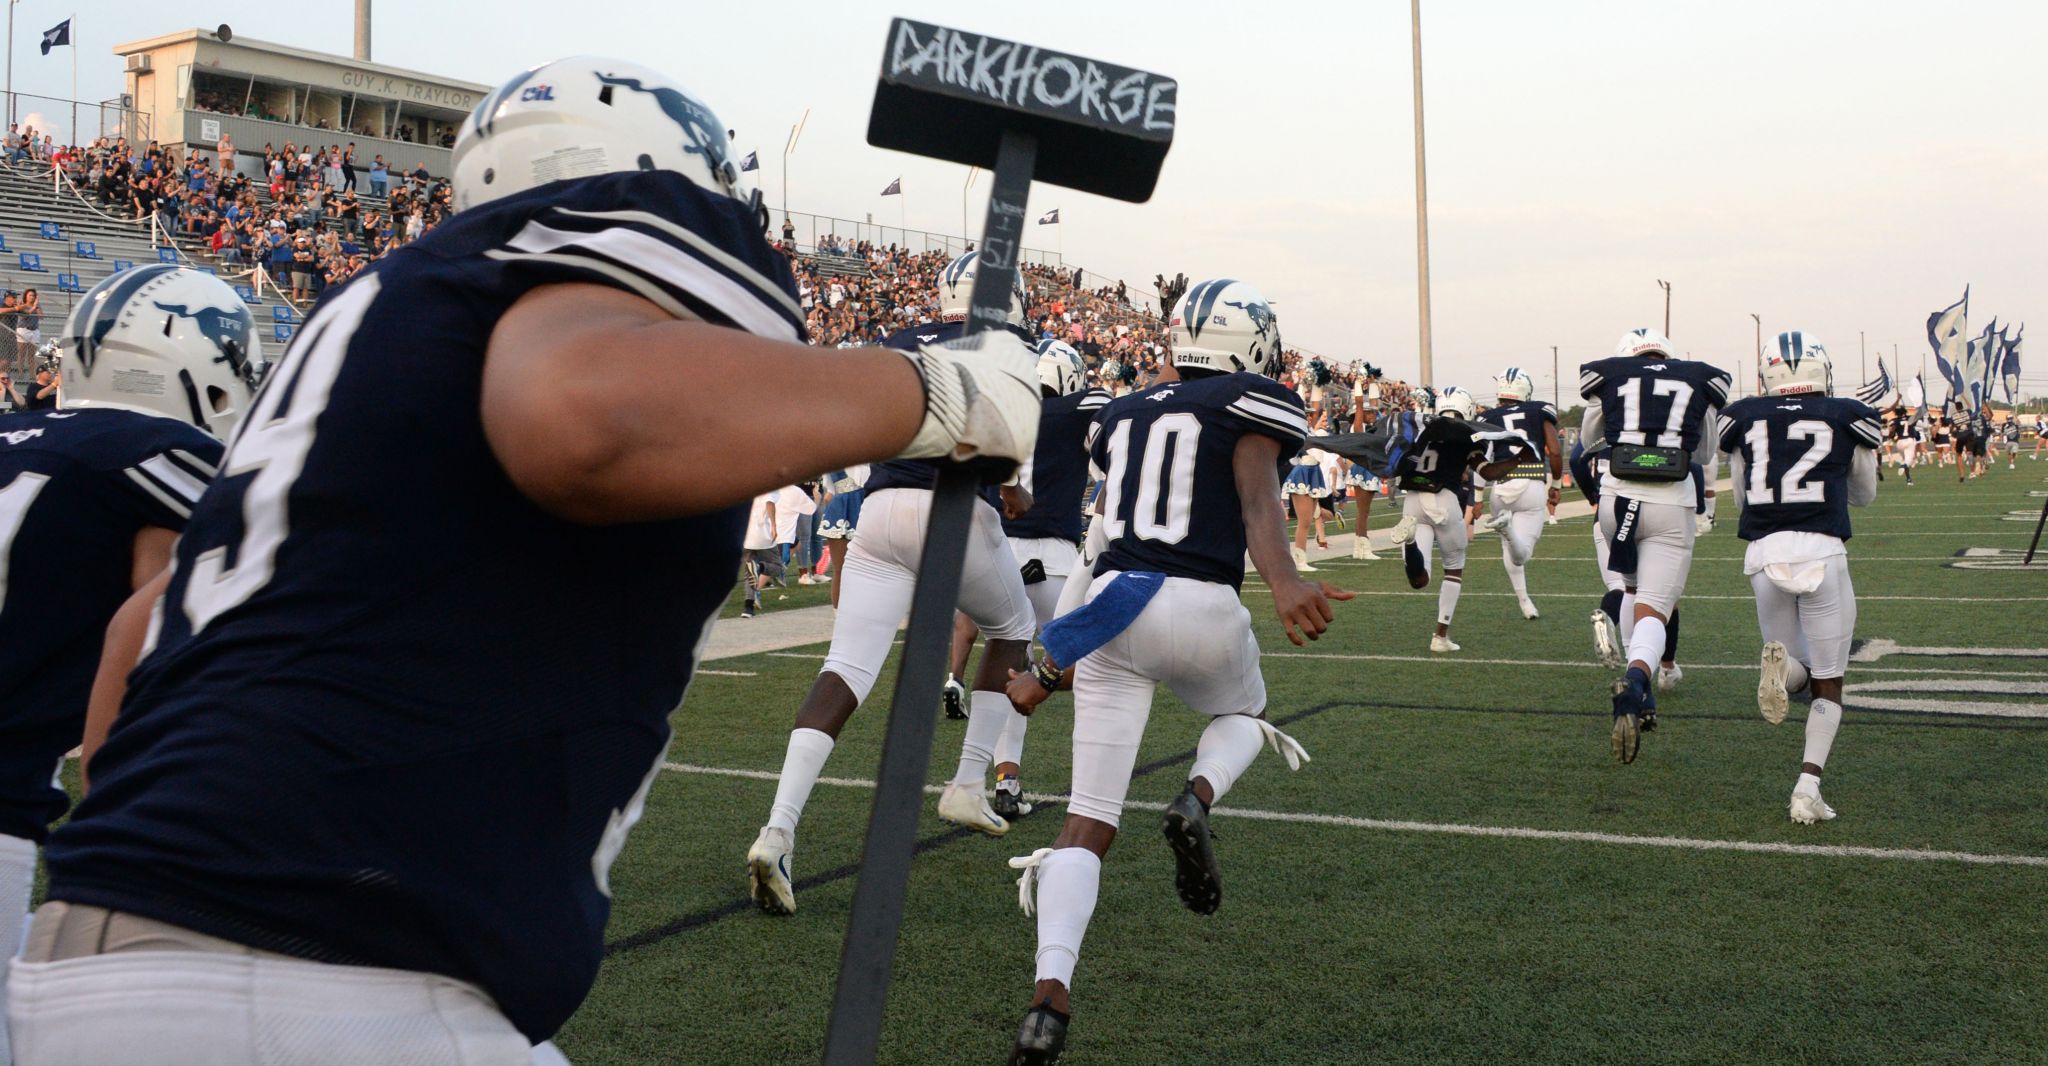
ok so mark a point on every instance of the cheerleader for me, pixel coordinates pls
(839, 516)
(1364, 484)
(1307, 487)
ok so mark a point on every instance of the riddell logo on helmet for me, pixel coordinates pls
(537, 92)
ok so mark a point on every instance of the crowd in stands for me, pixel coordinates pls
(255, 107)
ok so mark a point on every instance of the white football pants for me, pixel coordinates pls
(1524, 501)
(1664, 536)
(1196, 638)
(880, 574)
(1059, 558)
(214, 1008)
(1816, 627)
(1440, 525)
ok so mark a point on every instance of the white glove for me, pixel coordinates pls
(1702, 523)
(981, 399)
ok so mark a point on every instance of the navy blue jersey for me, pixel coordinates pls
(1527, 418)
(1169, 455)
(75, 489)
(396, 713)
(1661, 403)
(924, 473)
(1441, 457)
(1797, 452)
(1058, 473)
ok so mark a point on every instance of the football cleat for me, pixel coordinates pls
(768, 872)
(1441, 644)
(1489, 522)
(1550, 521)
(1668, 677)
(1418, 567)
(965, 805)
(1301, 560)
(1629, 706)
(1041, 1039)
(1606, 642)
(1808, 808)
(1529, 610)
(1195, 876)
(955, 699)
(1771, 698)
(1361, 548)
(1009, 802)
(1404, 530)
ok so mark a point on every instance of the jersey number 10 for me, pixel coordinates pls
(1173, 434)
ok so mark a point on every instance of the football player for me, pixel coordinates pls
(1047, 538)
(1800, 457)
(1910, 436)
(1518, 512)
(161, 361)
(411, 679)
(1436, 470)
(1209, 445)
(1654, 416)
(878, 579)
(1586, 471)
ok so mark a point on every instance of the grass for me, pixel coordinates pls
(1340, 943)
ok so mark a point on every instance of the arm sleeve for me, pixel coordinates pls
(1593, 429)
(1735, 467)
(1709, 444)
(1863, 478)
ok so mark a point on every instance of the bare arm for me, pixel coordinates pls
(1256, 466)
(150, 573)
(602, 408)
(1553, 447)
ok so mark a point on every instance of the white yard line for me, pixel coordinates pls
(1691, 596)
(1584, 664)
(1830, 851)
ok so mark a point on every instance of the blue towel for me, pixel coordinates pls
(1070, 637)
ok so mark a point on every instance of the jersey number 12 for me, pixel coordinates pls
(1792, 488)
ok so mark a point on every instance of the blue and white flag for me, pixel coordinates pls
(895, 188)
(1945, 335)
(1050, 218)
(2009, 365)
(1983, 352)
(751, 162)
(57, 36)
(1915, 398)
(1877, 393)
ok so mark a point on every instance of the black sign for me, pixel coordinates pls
(950, 94)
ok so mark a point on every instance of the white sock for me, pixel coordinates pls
(1447, 598)
(801, 764)
(1646, 643)
(1010, 746)
(1226, 749)
(1823, 717)
(1627, 622)
(987, 713)
(1068, 880)
(1807, 783)
(1518, 575)
(1795, 674)
(17, 880)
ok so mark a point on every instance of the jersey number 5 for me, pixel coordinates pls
(1791, 487)
(272, 444)
(1173, 434)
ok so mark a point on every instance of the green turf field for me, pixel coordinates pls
(1463, 874)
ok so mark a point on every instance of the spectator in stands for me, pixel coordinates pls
(380, 177)
(42, 396)
(302, 268)
(348, 169)
(11, 399)
(15, 152)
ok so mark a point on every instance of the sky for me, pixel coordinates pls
(1838, 167)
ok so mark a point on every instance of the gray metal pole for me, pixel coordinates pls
(1862, 357)
(1666, 286)
(1556, 383)
(1421, 200)
(1759, 319)
(10, 59)
(363, 30)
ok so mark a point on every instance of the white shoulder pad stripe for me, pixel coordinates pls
(172, 477)
(1589, 383)
(745, 305)
(706, 248)
(175, 505)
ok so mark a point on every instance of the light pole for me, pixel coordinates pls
(1862, 357)
(1556, 387)
(1759, 352)
(1421, 199)
(1666, 286)
(10, 59)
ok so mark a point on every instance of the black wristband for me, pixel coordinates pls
(1048, 674)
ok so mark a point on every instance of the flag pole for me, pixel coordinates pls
(74, 79)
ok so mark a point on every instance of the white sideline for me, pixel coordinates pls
(1832, 851)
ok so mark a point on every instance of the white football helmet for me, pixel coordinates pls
(1798, 364)
(1514, 385)
(1456, 403)
(1643, 341)
(163, 340)
(1225, 325)
(587, 115)
(1060, 368)
(956, 291)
